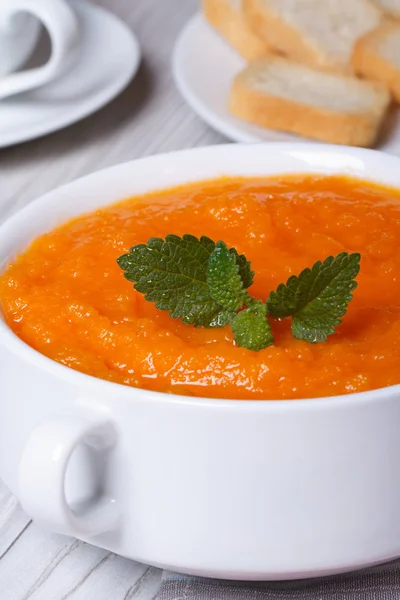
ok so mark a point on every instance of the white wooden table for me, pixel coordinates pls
(149, 117)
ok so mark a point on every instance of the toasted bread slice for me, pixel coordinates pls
(280, 94)
(320, 33)
(391, 7)
(227, 18)
(377, 56)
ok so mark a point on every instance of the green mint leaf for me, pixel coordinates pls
(318, 297)
(224, 280)
(251, 328)
(172, 273)
(245, 271)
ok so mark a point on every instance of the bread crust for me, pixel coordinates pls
(234, 29)
(310, 121)
(368, 61)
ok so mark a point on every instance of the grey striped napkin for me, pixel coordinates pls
(379, 583)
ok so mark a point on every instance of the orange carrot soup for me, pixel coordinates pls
(67, 297)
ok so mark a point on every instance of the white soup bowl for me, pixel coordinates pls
(222, 488)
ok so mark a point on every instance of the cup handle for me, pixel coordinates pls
(62, 26)
(42, 472)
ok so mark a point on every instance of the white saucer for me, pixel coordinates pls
(109, 56)
(204, 66)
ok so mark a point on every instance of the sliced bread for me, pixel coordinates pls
(277, 93)
(377, 56)
(227, 18)
(391, 7)
(320, 33)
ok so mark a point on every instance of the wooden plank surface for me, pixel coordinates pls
(147, 118)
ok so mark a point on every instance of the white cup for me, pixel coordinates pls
(19, 31)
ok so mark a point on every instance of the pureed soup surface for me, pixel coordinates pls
(66, 296)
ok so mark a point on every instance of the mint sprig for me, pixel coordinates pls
(204, 284)
(317, 298)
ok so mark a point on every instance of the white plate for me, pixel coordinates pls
(204, 66)
(109, 56)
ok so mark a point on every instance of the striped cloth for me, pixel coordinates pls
(379, 583)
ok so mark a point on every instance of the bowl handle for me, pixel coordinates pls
(42, 472)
